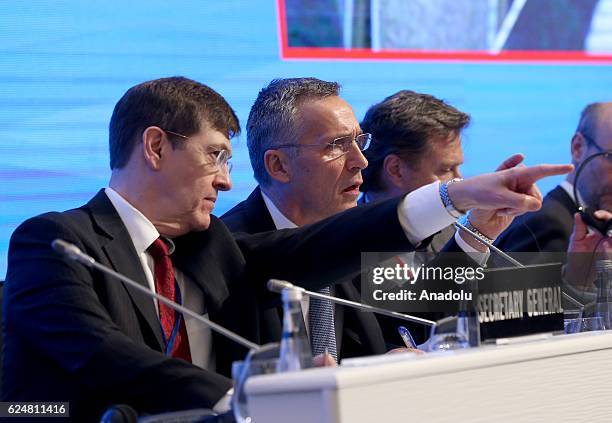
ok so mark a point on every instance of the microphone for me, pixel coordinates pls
(276, 285)
(511, 260)
(74, 253)
(71, 251)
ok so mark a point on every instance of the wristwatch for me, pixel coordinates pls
(448, 204)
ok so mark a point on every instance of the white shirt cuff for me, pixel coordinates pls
(422, 213)
(225, 403)
(478, 256)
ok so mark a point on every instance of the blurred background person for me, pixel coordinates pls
(416, 141)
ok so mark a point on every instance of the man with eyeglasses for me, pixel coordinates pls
(74, 334)
(305, 146)
(549, 229)
(557, 227)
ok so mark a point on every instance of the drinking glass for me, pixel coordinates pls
(257, 362)
(583, 324)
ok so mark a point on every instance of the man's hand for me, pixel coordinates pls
(581, 241)
(579, 269)
(509, 192)
(489, 222)
(324, 360)
(405, 350)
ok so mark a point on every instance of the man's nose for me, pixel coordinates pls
(223, 181)
(355, 158)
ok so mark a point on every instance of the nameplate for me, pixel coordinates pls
(520, 301)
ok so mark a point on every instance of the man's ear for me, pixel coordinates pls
(277, 165)
(394, 170)
(578, 148)
(154, 143)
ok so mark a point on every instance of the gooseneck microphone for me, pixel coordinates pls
(74, 253)
(488, 244)
(276, 285)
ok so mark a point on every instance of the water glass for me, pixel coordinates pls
(241, 371)
(583, 324)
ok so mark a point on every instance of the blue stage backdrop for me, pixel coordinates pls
(64, 64)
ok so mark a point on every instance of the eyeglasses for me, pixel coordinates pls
(220, 158)
(339, 146)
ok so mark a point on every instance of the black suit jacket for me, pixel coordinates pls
(547, 229)
(357, 333)
(73, 334)
(429, 253)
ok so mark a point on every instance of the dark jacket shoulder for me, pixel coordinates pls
(547, 229)
(249, 216)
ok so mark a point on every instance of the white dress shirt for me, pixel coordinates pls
(421, 214)
(282, 222)
(143, 234)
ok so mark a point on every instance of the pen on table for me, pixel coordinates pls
(406, 337)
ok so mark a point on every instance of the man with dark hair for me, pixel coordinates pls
(72, 333)
(417, 140)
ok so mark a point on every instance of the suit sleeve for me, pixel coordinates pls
(534, 232)
(330, 250)
(52, 306)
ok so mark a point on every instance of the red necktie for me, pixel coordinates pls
(165, 286)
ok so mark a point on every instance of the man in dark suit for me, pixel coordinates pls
(73, 334)
(315, 191)
(304, 143)
(357, 333)
(549, 229)
(417, 140)
(556, 227)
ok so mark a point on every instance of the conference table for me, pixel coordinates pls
(562, 378)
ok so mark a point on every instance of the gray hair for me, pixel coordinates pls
(273, 119)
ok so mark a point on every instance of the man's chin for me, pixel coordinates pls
(202, 223)
(346, 205)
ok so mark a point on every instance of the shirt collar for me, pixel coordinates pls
(569, 189)
(141, 230)
(279, 219)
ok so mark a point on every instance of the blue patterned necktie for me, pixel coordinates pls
(321, 322)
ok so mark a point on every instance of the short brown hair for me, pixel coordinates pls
(405, 123)
(176, 104)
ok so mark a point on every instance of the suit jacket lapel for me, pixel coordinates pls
(120, 251)
(193, 258)
(562, 197)
(257, 213)
(440, 239)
